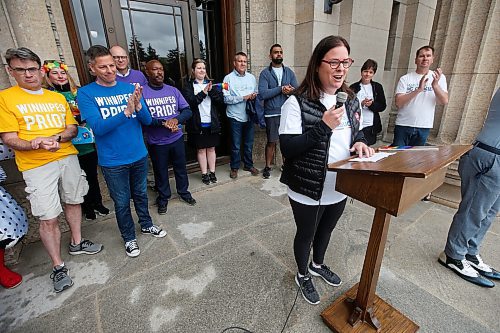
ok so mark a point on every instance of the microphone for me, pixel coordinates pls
(341, 99)
(221, 86)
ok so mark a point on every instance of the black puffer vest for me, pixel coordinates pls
(306, 174)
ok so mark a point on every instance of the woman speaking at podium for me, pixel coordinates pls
(317, 129)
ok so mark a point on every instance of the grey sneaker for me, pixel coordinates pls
(85, 247)
(61, 278)
(307, 288)
(324, 272)
(155, 231)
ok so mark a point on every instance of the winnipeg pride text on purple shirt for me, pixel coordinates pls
(164, 104)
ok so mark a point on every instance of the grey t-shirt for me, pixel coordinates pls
(489, 132)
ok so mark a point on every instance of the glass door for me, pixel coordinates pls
(173, 32)
(158, 30)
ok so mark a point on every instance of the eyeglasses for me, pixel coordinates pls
(22, 71)
(335, 63)
(120, 57)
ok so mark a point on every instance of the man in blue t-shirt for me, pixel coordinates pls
(115, 112)
(166, 144)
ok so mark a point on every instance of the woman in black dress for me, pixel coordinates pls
(204, 126)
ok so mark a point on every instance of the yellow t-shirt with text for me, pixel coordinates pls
(35, 115)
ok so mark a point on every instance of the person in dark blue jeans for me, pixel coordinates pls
(166, 144)
(115, 111)
(242, 87)
(125, 182)
(410, 136)
(241, 130)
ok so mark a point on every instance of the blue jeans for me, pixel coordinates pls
(480, 185)
(161, 155)
(410, 136)
(125, 182)
(241, 132)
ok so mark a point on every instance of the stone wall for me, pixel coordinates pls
(465, 34)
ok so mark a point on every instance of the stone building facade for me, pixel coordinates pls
(465, 34)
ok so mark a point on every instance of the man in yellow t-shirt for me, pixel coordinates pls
(39, 126)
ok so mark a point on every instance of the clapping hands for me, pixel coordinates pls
(436, 75)
(134, 102)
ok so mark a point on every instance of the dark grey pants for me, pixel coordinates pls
(480, 181)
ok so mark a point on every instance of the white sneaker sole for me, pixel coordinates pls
(133, 255)
(313, 273)
(161, 235)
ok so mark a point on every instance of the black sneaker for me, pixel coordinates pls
(484, 269)
(326, 274)
(307, 288)
(89, 215)
(190, 201)
(205, 179)
(162, 209)
(266, 173)
(212, 177)
(132, 249)
(463, 269)
(155, 231)
(101, 210)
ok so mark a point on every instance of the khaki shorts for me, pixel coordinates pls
(45, 183)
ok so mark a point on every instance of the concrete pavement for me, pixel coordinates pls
(228, 261)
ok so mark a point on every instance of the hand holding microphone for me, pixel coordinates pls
(333, 116)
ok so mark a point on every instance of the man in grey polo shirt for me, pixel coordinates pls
(479, 171)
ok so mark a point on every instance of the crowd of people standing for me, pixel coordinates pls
(62, 133)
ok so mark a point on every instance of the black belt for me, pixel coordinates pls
(487, 147)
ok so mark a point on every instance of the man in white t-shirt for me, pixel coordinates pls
(417, 94)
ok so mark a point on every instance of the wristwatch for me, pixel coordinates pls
(59, 138)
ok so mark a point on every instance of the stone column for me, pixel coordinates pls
(472, 69)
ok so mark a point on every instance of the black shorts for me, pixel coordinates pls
(272, 127)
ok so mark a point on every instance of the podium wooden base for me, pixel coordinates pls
(337, 315)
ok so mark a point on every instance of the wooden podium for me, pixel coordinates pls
(390, 185)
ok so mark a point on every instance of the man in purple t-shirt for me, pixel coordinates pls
(166, 144)
(124, 73)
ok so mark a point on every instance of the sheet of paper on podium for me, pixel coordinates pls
(374, 158)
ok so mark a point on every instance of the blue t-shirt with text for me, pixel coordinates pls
(118, 139)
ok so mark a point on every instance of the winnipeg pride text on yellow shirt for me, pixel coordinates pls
(35, 115)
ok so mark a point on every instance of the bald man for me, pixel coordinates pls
(166, 144)
(123, 72)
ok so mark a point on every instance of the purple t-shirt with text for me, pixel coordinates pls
(165, 104)
(134, 76)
